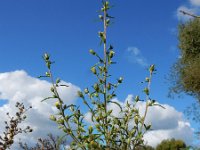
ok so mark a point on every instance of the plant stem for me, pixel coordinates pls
(147, 102)
(105, 75)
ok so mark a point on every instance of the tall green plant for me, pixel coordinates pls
(107, 131)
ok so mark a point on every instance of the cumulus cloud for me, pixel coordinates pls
(19, 86)
(166, 123)
(195, 2)
(134, 55)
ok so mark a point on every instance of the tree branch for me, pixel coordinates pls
(189, 14)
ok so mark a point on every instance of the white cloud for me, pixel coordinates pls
(166, 123)
(134, 55)
(19, 86)
(182, 131)
(195, 2)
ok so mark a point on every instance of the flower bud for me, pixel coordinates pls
(93, 69)
(136, 119)
(57, 104)
(52, 89)
(53, 118)
(47, 74)
(152, 68)
(147, 79)
(57, 80)
(120, 80)
(96, 87)
(86, 91)
(111, 54)
(92, 52)
(60, 121)
(146, 91)
(101, 17)
(109, 86)
(80, 94)
(46, 56)
(137, 98)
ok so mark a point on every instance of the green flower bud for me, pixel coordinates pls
(96, 94)
(109, 86)
(137, 98)
(92, 52)
(46, 56)
(93, 69)
(66, 130)
(101, 34)
(152, 68)
(86, 91)
(136, 119)
(93, 144)
(53, 118)
(80, 94)
(57, 80)
(107, 3)
(107, 22)
(96, 87)
(147, 79)
(146, 91)
(120, 80)
(47, 74)
(60, 121)
(100, 17)
(57, 104)
(97, 119)
(52, 89)
(111, 54)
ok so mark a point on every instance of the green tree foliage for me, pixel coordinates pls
(185, 72)
(171, 145)
(123, 132)
(145, 147)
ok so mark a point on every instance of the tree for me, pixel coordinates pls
(145, 147)
(49, 143)
(171, 145)
(185, 75)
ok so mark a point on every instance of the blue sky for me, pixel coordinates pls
(145, 31)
